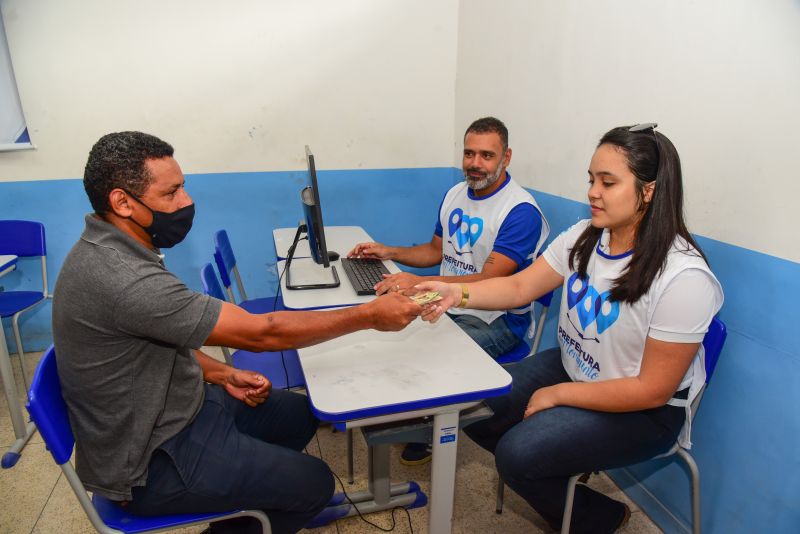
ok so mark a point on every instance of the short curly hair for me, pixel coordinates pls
(490, 125)
(117, 160)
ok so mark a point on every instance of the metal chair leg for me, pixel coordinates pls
(349, 456)
(567, 517)
(695, 472)
(500, 491)
(20, 350)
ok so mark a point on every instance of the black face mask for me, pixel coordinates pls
(167, 229)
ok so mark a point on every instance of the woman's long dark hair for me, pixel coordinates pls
(651, 157)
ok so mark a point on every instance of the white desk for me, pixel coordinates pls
(305, 270)
(22, 432)
(371, 377)
(7, 263)
(338, 238)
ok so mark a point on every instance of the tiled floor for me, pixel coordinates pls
(35, 497)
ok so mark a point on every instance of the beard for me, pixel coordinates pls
(476, 184)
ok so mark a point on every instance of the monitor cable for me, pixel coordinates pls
(301, 228)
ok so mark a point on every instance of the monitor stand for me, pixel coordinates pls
(310, 272)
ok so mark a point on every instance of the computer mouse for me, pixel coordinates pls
(333, 256)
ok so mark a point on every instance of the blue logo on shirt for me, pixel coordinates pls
(465, 228)
(592, 307)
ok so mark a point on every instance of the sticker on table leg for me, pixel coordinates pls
(448, 434)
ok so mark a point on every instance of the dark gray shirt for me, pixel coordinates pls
(123, 328)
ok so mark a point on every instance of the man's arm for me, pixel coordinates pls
(281, 330)
(424, 255)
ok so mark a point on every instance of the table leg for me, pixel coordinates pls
(22, 432)
(380, 495)
(443, 472)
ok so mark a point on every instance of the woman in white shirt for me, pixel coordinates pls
(637, 299)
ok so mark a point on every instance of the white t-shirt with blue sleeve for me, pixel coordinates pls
(508, 221)
(601, 339)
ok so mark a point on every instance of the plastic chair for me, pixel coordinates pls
(226, 264)
(49, 411)
(24, 239)
(282, 368)
(522, 351)
(712, 345)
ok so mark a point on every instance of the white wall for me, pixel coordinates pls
(236, 86)
(721, 77)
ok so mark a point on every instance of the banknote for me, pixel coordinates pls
(426, 298)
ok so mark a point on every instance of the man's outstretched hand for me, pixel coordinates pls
(393, 311)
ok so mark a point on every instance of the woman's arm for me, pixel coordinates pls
(663, 366)
(496, 293)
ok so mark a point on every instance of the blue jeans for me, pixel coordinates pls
(233, 456)
(536, 456)
(495, 337)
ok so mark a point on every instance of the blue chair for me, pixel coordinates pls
(282, 368)
(49, 411)
(226, 264)
(522, 351)
(24, 239)
(712, 345)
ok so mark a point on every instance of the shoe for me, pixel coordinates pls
(416, 454)
(626, 516)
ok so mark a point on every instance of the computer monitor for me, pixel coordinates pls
(313, 213)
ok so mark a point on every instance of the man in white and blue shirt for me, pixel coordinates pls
(488, 226)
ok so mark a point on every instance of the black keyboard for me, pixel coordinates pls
(364, 273)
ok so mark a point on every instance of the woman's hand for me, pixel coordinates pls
(542, 399)
(450, 293)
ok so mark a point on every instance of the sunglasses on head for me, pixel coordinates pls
(652, 127)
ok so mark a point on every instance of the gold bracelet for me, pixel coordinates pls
(464, 296)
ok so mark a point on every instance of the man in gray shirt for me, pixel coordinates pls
(160, 426)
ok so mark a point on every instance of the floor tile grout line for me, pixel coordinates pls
(50, 496)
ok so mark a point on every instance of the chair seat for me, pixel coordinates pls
(116, 517)
(12, 302)
(263, 305)
(271, 365)
(516, 354)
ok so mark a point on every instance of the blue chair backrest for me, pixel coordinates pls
(22, 238)
(712, 344)
(224, 257)
(48, 409)
(546, 299)
(210, 282)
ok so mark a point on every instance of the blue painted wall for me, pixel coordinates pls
(388, 203)
(746, 433)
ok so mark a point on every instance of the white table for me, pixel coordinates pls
(304, 270)
(337, 238)
(8, 263)
(341, 239)
(22, 432)
(371, 377)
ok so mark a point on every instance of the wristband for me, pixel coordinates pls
(464, 296)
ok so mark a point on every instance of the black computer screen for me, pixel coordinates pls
(313, 213)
